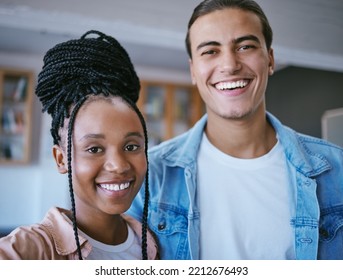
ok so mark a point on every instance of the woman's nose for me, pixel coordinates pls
(117, 163)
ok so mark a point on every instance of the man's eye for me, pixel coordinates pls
(246, 47)
(94, 150)
(210, 52)
(131, 148)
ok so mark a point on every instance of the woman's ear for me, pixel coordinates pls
(60, 159)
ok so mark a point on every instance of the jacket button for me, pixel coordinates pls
(308, 183)
(324, 233)
(161, 226)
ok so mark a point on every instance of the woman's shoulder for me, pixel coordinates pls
(33, 241)
(25, 242)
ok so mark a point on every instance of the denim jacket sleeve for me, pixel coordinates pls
(316, 169)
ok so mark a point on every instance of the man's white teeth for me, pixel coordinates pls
(115, 187)
(233, 85)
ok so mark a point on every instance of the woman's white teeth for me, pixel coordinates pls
(229, 85)
(115, 187)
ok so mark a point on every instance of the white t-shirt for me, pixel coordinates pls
(129, 250)
(245, 205)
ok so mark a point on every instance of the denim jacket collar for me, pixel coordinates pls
(185, 154)
(306, 162)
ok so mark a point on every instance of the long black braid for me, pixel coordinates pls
(146, 198)
(73, 71)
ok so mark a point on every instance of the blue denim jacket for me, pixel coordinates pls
(314, 166)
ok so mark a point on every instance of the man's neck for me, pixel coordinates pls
(250, 137)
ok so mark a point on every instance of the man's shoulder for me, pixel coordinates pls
(318, 143)
(169, 144)
(169, 152)
(181, 143)
(310, 144)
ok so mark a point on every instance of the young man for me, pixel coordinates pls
(239, 184)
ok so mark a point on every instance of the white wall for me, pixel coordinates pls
(27, 192)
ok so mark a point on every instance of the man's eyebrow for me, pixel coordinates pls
(235, 41)
(246, 38)
(208, 43)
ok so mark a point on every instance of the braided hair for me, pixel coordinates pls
(73, 71)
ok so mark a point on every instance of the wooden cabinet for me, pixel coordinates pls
(16, 93)
(169, 109)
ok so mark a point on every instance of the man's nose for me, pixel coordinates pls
(229, 62)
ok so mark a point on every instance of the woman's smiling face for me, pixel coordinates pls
(108, 156)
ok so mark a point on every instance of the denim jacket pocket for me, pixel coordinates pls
(167, 219)
(331, 222)
(331, 233)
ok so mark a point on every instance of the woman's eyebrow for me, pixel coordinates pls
(92, 136)
(102, 136)
(135, 134)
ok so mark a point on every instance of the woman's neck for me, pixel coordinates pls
(108, 229)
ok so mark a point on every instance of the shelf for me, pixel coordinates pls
(169, 109)
(16, 91)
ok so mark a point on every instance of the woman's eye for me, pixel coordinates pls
(94, 150)
(131, 148)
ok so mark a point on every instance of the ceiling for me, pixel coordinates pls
(307, 33)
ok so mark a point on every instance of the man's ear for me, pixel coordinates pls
(271, 62)
(60, 159)
(191, 71)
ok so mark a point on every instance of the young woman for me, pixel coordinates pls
(90, 88)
